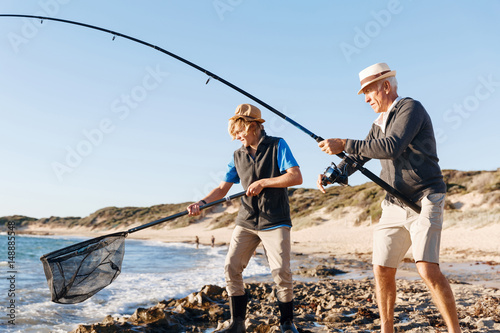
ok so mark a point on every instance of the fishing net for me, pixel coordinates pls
(75, 273)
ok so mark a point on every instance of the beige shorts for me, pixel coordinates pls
(399, 228)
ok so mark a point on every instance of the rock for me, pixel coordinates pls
(213, 291)
(191, 298)
(108, 321)
(347, 305)
(179, 309)
(146, 316)
(321, 271)
(485, 323)
(215, 312)
(333, 318)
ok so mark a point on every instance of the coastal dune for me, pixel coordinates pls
(469, 233)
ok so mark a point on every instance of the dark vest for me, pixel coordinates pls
(270, 208)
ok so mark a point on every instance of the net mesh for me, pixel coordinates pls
(75, 273)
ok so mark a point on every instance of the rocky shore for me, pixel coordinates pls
(324, 302)
(332, 235)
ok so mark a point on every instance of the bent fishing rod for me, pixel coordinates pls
(211, 75)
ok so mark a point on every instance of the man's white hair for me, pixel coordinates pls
(392, 80)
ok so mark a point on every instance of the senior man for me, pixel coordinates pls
(402, 138)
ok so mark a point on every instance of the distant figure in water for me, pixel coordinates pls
(197, 241)
(213, 241)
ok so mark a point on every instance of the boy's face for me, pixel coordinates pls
(247, 138)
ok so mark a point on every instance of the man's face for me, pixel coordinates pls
(377, 96)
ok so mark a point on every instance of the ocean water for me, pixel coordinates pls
(152, 271)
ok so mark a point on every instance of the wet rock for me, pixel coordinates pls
(212, 291)
(321, 271)
(146, 316)
(333, 318)
(485, 323)
(108, 321)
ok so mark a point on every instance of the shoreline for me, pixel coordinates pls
(466, 253)
(470, 260)
(459, 242)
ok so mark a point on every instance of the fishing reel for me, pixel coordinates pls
(333, 174)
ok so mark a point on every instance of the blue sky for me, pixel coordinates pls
(90, 122)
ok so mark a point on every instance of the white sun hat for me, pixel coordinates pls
(374, 73)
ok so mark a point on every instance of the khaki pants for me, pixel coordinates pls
(277, 247)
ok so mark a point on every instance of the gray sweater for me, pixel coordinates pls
(407, 151)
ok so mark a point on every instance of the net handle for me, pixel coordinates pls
(171, 217)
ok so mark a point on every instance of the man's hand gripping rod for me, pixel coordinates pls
(391, 190)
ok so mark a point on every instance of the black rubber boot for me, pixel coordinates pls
(286, 320)
(238, 307)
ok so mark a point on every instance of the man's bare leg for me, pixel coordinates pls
(441, 293)
(385, 288)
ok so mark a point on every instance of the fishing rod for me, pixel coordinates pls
(211, 75)
(187, 62)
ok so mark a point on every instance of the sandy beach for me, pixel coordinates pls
(470, 257)
(461, 241)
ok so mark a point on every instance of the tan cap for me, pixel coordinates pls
(374, 73)
(247, 112)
